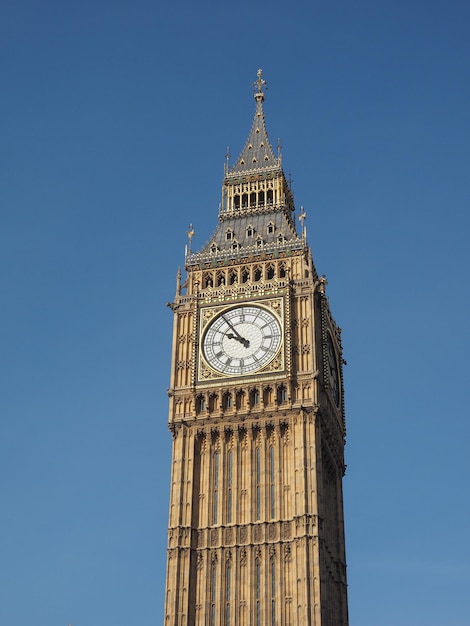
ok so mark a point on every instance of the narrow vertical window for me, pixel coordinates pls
(272, 481)
(215, 491)
(213, 592)
(229, 486)
(228, 584)
(258, 482)
(258, 593)
(273, 593)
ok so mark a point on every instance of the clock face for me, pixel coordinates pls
(242, 340)
(333, 372)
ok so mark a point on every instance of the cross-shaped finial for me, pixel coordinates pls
(258, 85)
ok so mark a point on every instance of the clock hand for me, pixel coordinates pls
(237, 335)
(243, 341)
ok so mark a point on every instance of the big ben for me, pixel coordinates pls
(256, 412)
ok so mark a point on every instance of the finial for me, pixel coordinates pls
(302, 218)
(227, 158)
(279, 148)
(190, 234)
(258, 85)
(178, 282)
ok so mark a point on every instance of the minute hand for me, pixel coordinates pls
(236, 334)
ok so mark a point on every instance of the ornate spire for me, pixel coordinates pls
(257, 153)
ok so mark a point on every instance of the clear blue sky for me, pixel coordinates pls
(115, 117)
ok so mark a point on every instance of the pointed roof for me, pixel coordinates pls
(257, 153)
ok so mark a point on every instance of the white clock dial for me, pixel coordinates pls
(242, 340)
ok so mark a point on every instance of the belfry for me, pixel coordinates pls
(256, 412)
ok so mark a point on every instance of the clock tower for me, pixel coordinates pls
(256, 532)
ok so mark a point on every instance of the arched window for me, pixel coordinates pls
(267, 396)
(227, 402)
(254, 397)
(213, 402)
(200, 404)
(240, 400)
(257, 275)
(270, 272)
(281, 394)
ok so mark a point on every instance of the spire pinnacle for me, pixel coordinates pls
(258, 85)
(257, 155)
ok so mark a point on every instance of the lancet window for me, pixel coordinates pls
(258, 592)
(213, 592)
(273, 591)
(215, 487)
(272, 481)
(258, 483)
(228, 584)
(229, 486)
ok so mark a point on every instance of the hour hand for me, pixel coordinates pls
(239, 338)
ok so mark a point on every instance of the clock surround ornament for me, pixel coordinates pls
(241, 340)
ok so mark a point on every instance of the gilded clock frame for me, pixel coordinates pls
(277, 365)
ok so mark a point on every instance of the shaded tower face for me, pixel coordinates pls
(256, 533)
